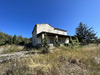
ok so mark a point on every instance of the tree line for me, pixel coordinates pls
(18, 40)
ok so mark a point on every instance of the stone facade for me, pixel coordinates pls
(39, 28)
(49, 28)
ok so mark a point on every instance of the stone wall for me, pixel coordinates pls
(34, 37)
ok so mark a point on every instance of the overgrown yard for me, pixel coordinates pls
(84, 60)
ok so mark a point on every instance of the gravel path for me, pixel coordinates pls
(5, 57)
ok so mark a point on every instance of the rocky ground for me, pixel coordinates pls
(14, 55)
(5, 57)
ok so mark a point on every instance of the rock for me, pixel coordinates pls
(97, 60)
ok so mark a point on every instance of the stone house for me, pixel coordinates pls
(51, 32)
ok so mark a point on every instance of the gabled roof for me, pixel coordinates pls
(50, 25)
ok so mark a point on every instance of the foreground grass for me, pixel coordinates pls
(61, 61)
(12, 49)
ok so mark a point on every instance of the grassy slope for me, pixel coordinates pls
(62, 61)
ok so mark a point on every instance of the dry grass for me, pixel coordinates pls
(62, 61)
(11, 49)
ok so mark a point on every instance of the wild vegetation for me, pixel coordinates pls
(73, 43)
(11, 48)
(8, 39)
(84, 60)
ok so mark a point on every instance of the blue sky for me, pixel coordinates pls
(19, 16)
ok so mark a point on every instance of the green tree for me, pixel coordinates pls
(74, 43)
(26, 40)
(85, 34)
(10, 40)
(45, 44)
(2, 38)
(5, 38)
(19, 39)
(30, 39)
(56, 42)
(14, 39)
(71, 41)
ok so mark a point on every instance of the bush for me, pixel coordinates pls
(74, 43)
(56, 43)
(45, 44)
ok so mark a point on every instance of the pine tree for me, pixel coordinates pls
(85, 34)
(45, 44)
(14, 39)
(56, 43)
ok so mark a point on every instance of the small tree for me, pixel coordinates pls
(56, 43)
(14, 39)
(74, 43)
(45, 44)
(71, 42)
(19, 39)
(10, 40)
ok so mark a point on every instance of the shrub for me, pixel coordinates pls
(74, 43)
(56, 43)
(45, 44)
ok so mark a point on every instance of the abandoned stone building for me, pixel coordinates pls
(51, 32)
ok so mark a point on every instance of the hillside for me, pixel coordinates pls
(84, 60)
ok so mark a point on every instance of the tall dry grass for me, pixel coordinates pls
(62, 61)
(11, 49)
